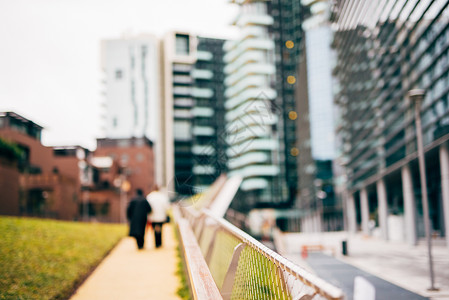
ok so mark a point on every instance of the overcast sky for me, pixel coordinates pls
(50, 54)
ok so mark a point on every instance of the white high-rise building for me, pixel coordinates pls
(319, 75)
(253, 143)
(131, 68)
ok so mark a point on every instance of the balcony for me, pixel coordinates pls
(260, 144)
(204, 55)
(252, 81)
(248, 159)
(203, 170)
(251, 93)
(203, 150)
(247, 57)
(253, 128)
(249, 70)
(202, 74)
(256, 171)
(202, 111)
(182, 91)
(244, 46)
(259, 105)
(263, 20)
(203, 130)
(202, 93)
(254, 184)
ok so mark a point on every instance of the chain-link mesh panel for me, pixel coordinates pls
(206, 238)
(256, 271)
(258, 277)
(224, 245)
(300, 290)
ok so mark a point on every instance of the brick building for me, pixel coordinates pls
(34, 186)
(119, 167)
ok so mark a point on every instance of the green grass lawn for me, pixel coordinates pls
(47, 259)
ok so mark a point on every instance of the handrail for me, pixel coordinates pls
(325, 289)
(290, 280)
(202, 284)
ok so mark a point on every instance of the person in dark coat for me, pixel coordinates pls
(137, 212)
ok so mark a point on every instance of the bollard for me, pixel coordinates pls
(344, 247)
(304, 252)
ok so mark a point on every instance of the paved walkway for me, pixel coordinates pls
(342, 274)
(398, 263)
(127, 273)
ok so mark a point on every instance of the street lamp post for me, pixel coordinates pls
(416, 97)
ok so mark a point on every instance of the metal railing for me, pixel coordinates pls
(243, 268)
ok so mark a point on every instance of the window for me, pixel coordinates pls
(118, 74)
(182, 44)
(139, 157)
(125, 158)
(182, 130)
(123, 143)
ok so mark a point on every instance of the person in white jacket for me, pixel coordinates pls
(159, 203)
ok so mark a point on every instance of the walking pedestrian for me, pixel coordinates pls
(137, 212)
(159, 203)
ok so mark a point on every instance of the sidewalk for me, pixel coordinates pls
(127, 273)
(398, 263)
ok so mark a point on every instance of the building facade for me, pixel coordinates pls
(399, 47)
(251, 119)
(132, 85)
(193, 112)
(135, 158)
(208, 123)
(118, 168)
(178, 53)
(321, 210)
(41, 187)
(288, 35)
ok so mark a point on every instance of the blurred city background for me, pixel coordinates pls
(320, 107)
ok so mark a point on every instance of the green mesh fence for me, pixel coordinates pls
(223, 248)
(260, 273)
(206, 239)
(258, 278)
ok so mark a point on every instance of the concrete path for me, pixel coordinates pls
(127, 273)
(398, 263)
(343, 275)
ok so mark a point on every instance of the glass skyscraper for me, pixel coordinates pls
(385, 49)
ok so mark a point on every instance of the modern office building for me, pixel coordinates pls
(208, 124)
(321, 210)
(132, 85)
(178, 54)
(192, 112)
(252, 122)
(288, 35)
(385, 49)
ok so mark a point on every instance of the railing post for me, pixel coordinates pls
(228, 283)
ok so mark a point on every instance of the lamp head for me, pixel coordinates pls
(416, 95)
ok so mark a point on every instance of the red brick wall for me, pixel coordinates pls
(9, 189)
(39, 155)
(140, 164)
